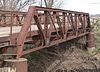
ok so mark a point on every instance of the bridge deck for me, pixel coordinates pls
(5, 31)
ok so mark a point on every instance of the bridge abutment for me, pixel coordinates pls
(90, 40)
(17, 65)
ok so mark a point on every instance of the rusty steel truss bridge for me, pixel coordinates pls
(25, 32)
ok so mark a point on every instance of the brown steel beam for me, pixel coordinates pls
(53, 26)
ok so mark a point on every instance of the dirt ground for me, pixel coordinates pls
(63, 58)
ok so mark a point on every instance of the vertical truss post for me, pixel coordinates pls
(24, 30)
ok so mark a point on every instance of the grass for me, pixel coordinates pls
(35, 56)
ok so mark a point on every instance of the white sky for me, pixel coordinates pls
(90, 6)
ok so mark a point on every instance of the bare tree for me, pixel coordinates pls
(15, 4)
(51, 3)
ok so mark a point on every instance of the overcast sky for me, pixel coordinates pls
(90, 6)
